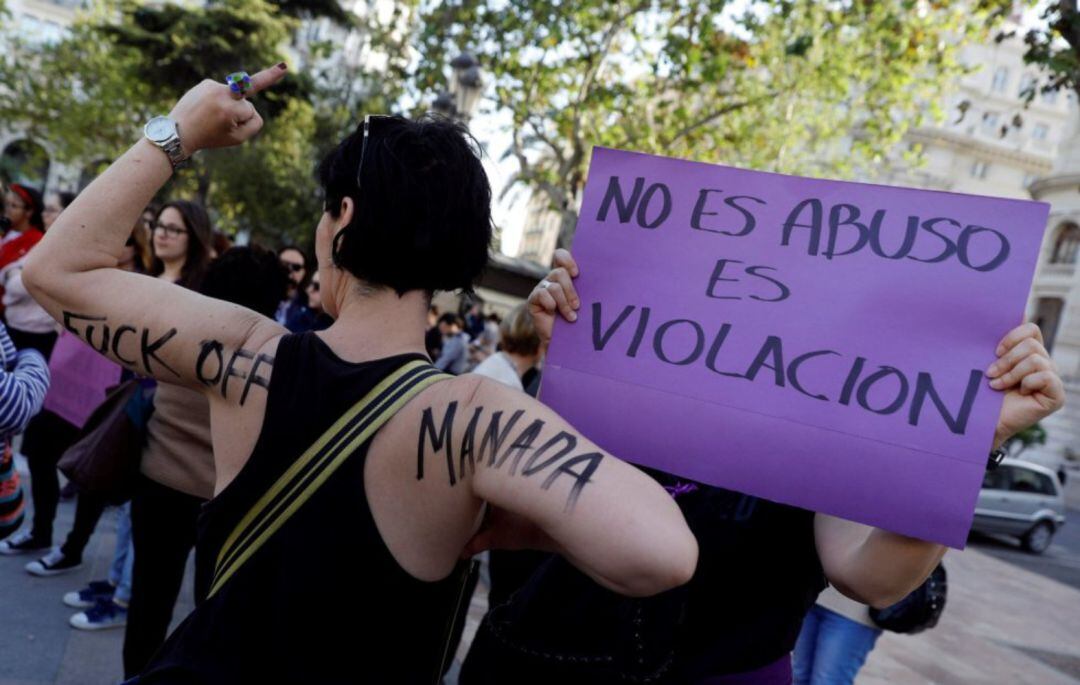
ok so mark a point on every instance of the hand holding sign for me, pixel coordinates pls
(1033, 388)
(818, 343)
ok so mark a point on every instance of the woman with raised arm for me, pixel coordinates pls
(762, 566)
(351, 475)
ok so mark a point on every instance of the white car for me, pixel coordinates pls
(1021, 499)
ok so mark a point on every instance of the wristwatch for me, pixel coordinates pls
(165, 133)
(995, 458)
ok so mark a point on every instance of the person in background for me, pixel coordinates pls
(836, 637)
(296, 263)
(219, 243)
(28, 324)
(81, 378)
(454, 356)
(519, 349)
(22, 209)
(181, 238)
(320, 320)
(54, 205)
(24, 380)
(433, 336)
(178, 470)
(473, 319)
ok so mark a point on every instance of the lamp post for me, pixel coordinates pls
(466, 85)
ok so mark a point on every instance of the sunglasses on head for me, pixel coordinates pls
(369, 121)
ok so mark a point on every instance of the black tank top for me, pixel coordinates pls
(323, 601)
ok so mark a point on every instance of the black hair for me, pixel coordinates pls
(37, 203)
(250, 276)
(200, 233)
(66, 197)
(422, 217)
(451, 319)
(308, 264)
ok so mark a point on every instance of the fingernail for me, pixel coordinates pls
(573, 316)
(282, 66)
(996, 383)
(992, 371)
(1000, 350)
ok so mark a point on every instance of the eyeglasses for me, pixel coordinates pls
(171, 231)
(292, 266)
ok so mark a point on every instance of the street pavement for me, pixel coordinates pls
(1003, 623)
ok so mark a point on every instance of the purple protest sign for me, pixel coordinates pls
(817, 343)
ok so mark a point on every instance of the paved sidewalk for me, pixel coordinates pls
(37, 647)
(1001, 624)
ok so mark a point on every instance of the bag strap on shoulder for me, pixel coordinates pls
(315, 466)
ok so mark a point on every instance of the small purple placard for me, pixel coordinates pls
(817, 343)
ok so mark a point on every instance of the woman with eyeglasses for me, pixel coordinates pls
(28, 324)
(181, 236)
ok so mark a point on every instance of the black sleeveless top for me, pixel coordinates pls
(323, 601)
(758, 573)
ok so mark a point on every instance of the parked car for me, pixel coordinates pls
(1024, 500)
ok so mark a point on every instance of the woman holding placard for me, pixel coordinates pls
(762, 565)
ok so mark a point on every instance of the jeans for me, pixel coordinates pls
(123, 558)
(831, 648)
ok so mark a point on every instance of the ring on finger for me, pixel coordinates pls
(239, 83)
(545, 284)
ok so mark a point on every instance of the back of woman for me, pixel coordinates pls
(366, 602)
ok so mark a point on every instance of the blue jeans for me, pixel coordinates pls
(123, 557)
(831, 649)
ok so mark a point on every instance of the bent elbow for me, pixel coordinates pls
(34, 275)
(665, 569)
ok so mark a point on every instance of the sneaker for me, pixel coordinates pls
(22, 542)
(53, 564)
(103, 615)
(89, 595)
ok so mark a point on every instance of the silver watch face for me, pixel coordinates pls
(160, 129)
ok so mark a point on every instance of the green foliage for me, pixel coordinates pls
(1055, 46)
(88, 96)
(1029, 437)
(799, 86)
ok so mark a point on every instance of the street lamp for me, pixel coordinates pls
(466, 85)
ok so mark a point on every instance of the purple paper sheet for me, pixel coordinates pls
(746, 374)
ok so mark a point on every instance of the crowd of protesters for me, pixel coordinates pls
(645, 578)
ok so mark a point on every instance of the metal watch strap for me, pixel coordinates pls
(175, 151)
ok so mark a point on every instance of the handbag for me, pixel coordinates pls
(104, 461)
(917, 612)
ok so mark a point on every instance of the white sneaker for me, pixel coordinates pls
(52, 564)
(21, 543)
(103, 615)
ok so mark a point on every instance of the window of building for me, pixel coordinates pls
(1040, 132)
(1027, 84)
(1047, 317)
(979, 169)
(1066, 245)
(1001, 80)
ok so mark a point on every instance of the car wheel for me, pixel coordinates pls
(1037, 540)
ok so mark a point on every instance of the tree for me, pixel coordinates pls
(89, 94)
(798, 86)
(1055, 46)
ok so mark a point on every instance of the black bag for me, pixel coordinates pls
(917, 612)
(104, 461)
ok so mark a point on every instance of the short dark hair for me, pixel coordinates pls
(66, 197)
(451, 319)
(249, 276)
(423, 209)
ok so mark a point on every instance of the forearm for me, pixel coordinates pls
(91, 233)
(872, 565)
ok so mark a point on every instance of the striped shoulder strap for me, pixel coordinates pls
(304, 477)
